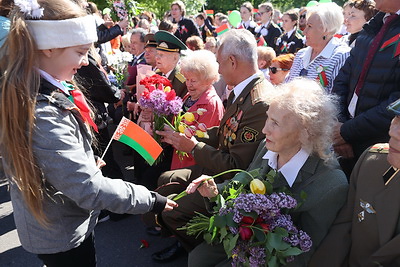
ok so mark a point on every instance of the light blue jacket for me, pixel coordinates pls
(4, 29)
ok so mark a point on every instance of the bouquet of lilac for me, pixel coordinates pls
(161, 99)
(253, 223)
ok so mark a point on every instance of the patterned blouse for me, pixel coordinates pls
(323, 68)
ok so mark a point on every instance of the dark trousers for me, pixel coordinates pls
(82, 256)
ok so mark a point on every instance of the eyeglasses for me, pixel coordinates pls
(274, 70)
(302, 16)
(303, 72)
(395, 107)
(261, 13)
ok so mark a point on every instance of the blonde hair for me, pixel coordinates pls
(20, 83)
(202, 63)
(313, 108)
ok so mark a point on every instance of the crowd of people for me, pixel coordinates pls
(311, 92)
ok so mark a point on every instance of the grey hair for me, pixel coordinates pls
(241, 44)
(140, 31)
(315, 110)
(331, 16)
(202, 63)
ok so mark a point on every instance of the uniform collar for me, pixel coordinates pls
(54, 82)
(291, 169)
(237, 90)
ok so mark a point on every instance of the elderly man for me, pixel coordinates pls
(230, 145)
(367, 83)
(167, 58)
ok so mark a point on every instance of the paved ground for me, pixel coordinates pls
(117, 243)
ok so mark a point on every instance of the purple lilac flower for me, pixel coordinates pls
(283, 200)
(239, 253)
(257, 256)
(292, 239)
(173, 106)
(158, 99)
(305, 241)
(284, 221)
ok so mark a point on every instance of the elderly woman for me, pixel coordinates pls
(291, 40)
(360, 12)
(186, 27)
(297, 144)
(280, 67)
(325, 55)
(200, 69)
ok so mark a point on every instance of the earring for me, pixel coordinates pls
(324, 37)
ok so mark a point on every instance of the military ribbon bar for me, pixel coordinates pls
(395, 40)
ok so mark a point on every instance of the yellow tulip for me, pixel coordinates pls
(257, 187)
(189, 117)
(181, 128)
(167, 89)
(199, 133)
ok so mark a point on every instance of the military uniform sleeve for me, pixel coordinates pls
(335, 247)
(242, 150)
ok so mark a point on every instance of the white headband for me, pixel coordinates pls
(50, 34)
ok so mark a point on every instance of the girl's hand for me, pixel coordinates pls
(100, 163)
(170, 205)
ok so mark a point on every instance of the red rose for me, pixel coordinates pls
(265, 227)
(245, 233)
(247, 220)
(146, 94)
(171, 95)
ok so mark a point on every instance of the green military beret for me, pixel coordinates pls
(168, 42)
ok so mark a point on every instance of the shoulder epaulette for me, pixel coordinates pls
(258, 92)
(180, 77)
(382, 148)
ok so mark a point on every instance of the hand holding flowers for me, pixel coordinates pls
(251, 221)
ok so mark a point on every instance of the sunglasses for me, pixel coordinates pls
(274, 70)
(302, 16)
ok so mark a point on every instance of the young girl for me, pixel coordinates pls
(56, 188)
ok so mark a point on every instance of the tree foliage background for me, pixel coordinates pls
(159, 7)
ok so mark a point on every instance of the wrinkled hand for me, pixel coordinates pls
(178, 140)
(337, 138)
(130, 106)
(207, 189)
(123, 23)
(170, 205)
(345, 150)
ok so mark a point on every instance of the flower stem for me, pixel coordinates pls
(184, 193)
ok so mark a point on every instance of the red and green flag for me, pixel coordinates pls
(209, 12)
(255, 10)
(395, 41)
(134, 136)
(222, 29)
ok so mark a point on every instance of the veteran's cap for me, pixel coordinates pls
(168, 42)
(395, 107)
(150, 41)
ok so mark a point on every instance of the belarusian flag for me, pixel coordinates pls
(132, 135)
(210, 12)
(222, 29)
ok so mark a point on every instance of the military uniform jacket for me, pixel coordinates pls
(366, 232)
(177, 80)
(233, 143)
(286, 45)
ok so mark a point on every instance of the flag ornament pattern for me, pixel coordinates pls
(134, 136)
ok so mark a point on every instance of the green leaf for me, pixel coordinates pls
(291, 251)
(229, 220)
(275, 240)
(220, 221)
(223, 233)
(273, 262)
(212, 219)
(229, 244)
(259, 234)
(208, 238)
(268, 187)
